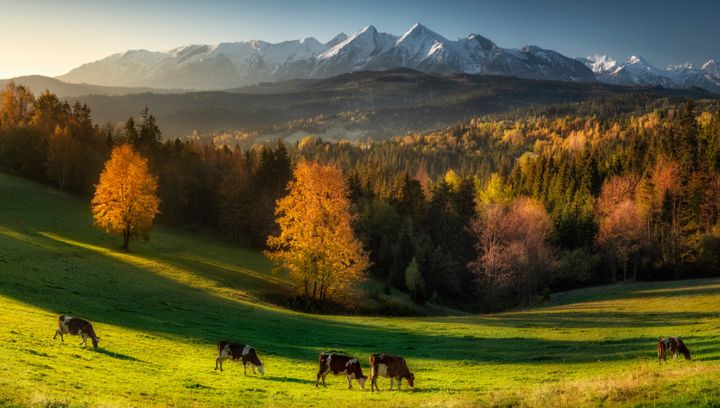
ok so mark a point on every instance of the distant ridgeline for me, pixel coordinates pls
(492, 212)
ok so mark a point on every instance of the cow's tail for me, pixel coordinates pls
(321, 361)
(373, 364)
(220, 346)
(661, 350)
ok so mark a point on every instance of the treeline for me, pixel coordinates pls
(217, 191)
(494, 212)
(499, 212)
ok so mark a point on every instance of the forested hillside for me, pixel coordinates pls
(356, 106)
(490, 213)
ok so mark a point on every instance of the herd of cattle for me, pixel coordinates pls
(385, 365)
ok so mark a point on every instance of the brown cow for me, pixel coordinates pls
(340, 364)
(390, 367)
(673, 345)
(76, 326)
(235, 352)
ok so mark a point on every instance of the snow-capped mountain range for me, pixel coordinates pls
(236, 64)
(228, 65)
(638, 71)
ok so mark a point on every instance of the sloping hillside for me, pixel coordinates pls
(160, 308)
(395, 102)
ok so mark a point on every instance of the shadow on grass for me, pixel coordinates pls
(288, 379)
(118, 356)
(578, 319)
(91, 281)
(649, 290)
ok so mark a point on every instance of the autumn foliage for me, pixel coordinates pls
(513, 247)
(125, 200)
(622, 227)
(316, 243)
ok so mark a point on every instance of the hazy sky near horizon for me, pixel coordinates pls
(50, 37)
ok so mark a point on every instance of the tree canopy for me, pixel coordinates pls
(126, 200)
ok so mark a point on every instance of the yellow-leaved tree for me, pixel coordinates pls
(126, 200)
(316, 244)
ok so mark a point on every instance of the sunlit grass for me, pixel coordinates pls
(160, 307)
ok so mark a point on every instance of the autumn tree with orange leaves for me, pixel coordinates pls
(126, 200)
(316, 244)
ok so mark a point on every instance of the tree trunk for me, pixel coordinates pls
(126, 238)
(529, 290)
(636, 261)
(625, 265)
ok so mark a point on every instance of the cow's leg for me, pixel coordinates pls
(253, 368)
(244, 368)
(317, 380)
(349, 382)
(218, 363)
(373, 380)
(324, 376)
(399, 382)
(392, 381)
(84, 339)
(59, 331)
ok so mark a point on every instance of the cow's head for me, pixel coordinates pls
(683, 349)
(411, 380)
(261, 368)
(95, 341)
(361, 381)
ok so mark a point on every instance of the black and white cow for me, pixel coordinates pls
(77, 327)
(339, 364)
(238, 352)
(674, 346)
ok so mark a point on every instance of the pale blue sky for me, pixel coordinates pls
(50, 37)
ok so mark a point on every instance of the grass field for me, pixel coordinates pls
(160, 308)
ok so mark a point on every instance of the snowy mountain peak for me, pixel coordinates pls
(637, 70)
(641, 66)
(711, 66)
(600, 63)
(233, 64)
(419, 32)
(485, 43)
(309, 40)
(336, 40)
(680, 67)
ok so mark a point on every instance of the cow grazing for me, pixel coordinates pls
(77, 327)
(671, 345)
(238, 352)
(390, 367)
(339, 364)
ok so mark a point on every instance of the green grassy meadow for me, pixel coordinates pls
(160, 308)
